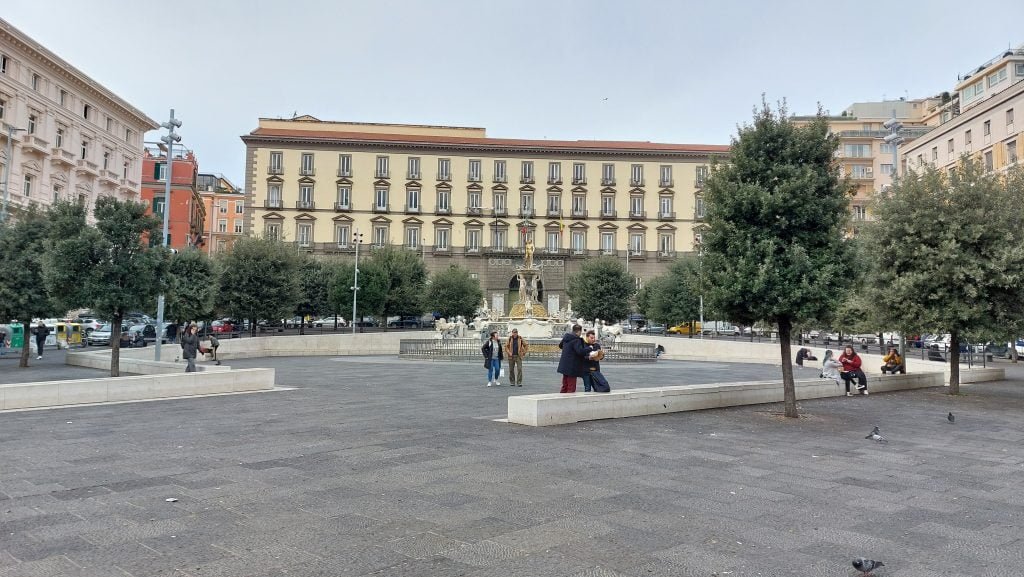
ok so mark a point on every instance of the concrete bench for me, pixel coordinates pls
(559, 409)
(133, 388)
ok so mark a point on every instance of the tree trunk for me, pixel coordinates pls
(788, 386)
(115, 345)
(954, 363)
(26, 343)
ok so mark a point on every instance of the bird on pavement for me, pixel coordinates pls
(874, 435)
(866, 566)
(950, 418)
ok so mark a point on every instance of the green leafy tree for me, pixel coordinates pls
(372, 288)
(676, 294)
(24, 292)
(193, 284)
(964, 265)
(774, 250)
(259, 279)
(453, 292)
(314, 289)
(405, 278)
(107, 267)
(601, 290)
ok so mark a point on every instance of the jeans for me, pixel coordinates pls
(190, 365)
(494, 370)
(588, 383)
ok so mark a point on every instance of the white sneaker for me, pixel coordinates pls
(39, 357)
(849, 394)
(865, 391)
(490, 383)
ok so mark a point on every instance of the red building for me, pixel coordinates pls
(186, 214)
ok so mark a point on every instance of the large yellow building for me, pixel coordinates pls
(456, 196)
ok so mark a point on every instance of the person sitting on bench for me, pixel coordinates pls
(804, 354)
(893, 362)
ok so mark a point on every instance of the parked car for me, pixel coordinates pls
(135, 335)
(684, 329)
(270, 325)
(100, 336)
(653, 329)
(406, 323)
(89, 324)
(329, 322)
(223, 327)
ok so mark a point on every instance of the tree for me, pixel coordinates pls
(773, 250)
(314, 289)
(674, 297)
(403, 276)
(24, 292)
(601, 290)
(193, 284)
(453, 292)
(258, 280)
(964, 263)
(107, 267)
(372, 288)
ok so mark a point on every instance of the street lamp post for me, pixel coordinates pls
(357, 238)
(169, 140)
(7, 168)
(895, 140)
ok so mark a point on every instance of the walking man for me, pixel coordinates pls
(515, 352)
(41, 331)
(570, 364)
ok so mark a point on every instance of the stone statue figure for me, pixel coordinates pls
(568, 309)
(523, 294)
(528, 259)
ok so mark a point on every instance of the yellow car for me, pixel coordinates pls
(684, 329)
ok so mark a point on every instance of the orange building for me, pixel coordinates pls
(187, 214)
(224, 205)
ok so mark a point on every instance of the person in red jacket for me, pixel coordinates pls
(851, 370)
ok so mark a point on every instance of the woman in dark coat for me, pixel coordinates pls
(570, 364)
(189, 347)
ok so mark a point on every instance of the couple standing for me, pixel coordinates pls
(581, 358)
(514, 350)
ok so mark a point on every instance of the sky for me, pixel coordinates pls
(661, 71)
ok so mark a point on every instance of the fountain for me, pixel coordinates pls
(527, 314)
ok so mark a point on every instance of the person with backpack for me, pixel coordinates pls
(492, 359)
(515, 352)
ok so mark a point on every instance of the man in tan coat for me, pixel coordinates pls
(515, 351)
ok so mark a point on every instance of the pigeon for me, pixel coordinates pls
(866, 566)
(874, 435)
(951, 418)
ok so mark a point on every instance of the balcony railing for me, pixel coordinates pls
(527, 212)
(344, 173)
(307, 172)
(474, 210)
(699, 183)
(637, 214)
(636, 182)
(501, 211)
(412, 176)
(580, 180)
(554, 180)
(273, 203)
(608, 213)
(608, 182)
(444, 176)
(61, 155)
(669, 183)
(555, 250)
(526, 180)
(473, 177)
(554, 213)
(698, 216)
(275, 169)
(443, 210)
(382, 174)
(342, 207)
(666, 215)
(666, 255)
(412, 209)
(579, 213)
(35, 143)
(381, 207)
(305, 204)
(87, 166)
(110, 176)
(500, 178)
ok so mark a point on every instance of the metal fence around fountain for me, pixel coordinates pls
(540, 350)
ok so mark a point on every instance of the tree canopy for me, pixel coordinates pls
(673, 297)
(193, 284)
(258, 280)
(24, 293)
(601, 290)
(453, 292)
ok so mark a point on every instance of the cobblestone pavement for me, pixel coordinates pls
(50, 368)
(395, 468)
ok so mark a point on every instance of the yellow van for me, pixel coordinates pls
(684, 328)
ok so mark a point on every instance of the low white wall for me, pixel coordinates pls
(560, 408)
(339, 344)
(136, 362)
(133, 388)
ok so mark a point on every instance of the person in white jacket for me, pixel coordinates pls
(830, 368)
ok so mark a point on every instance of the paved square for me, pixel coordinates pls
(376, 466)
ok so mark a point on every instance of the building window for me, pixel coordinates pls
(608, 206)
(444, 201)
(886, 169)
(85, 153)
(700, 207)
(110, 124)
(341, 235)
(128, 135)
(304, 234)
(3, 107)
(276, 162)
(86, 111)
(857, 150)
(579, 241)
(636, 243)
(636, 175)
(273, 194)
(345, 165)
(222, 206)
(32, 118)
(526, 204)
(473, 240)
(579, 206)
(997, 77)
(579, 173)
(974, 91)
(412, 199)
(554, 173)
(412, 237)
(500, 206)
(126, 168)
(106, 159)
(636, 205)
(935, 153)
(885, 148)
(272, 231)
(608, 174)
(161, 171)
(526, 175)
(949, 146)
(59, 141)
(475, 201)
(444, 169)
(414, 168)
(859, 212)
(554, 205)
(967, 138)
(222, 225)
(305, 196)
(380, 198)
(344, 199)
(608, 242)
(986, 128)
(239, 207)
(158, 205)
(442, 239)
(62, 97)
(57, 189)
(498, 238)
(665, 175)
(382, 168)
(1011, 152)
(29, 180)
(35, 81)
(474, 170)
(3, 64)
(702, 175)
(1009, 118)
(306, 167)
(554, 241)
(499, 171)
(666, 243)
(665, 207)
(380, 236)
(238, 227)
(988, 160)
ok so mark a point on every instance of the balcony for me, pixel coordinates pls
(275, 169)
(527, 212)
(412, 176)
(473, 250)
(608, 182)
(61, 156)
(637, 255)
(273, 203)
(502, 211)
(381, 208)
(382, 174)
(579, 252)
(636, 182)
(500, 178)
(666, 255)
(344, 173)
(32, 143)
(555, 251)
(473, 177)
(307, 171)
(412, 209)
(342, 207)
(88, 167)
(474, 210)
(637, 214)
(129, 184)
(698, 215)
(444, 176)
(305, 205)
(554, 213)
(666, 216)
(555, 180)
(526, 180)
(666, 183)
(609, 213)
(443, 210)
(699, 183)
(582, 180)
(579, 213)
(110, 176)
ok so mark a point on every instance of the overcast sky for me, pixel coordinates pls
(668, 71)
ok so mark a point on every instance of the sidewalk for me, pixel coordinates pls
(50, 368)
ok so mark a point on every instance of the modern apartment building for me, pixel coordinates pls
(979, 119)
(456, 196)
(225, 209)
(186, 213)
(71, 138)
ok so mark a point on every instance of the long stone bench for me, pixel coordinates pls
(560, 409)
(133, 388)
